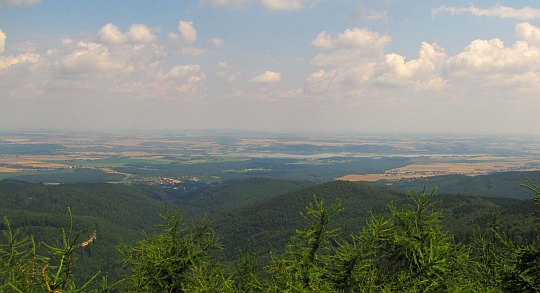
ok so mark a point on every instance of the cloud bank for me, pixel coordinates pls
(267, 77)
(525, 13)
(20, 2)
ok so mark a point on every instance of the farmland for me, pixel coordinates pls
(220, 156)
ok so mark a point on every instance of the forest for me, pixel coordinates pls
(269, 235)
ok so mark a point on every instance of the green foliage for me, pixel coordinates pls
(306, 262)
(19, 262)
(522, 273)
(238, 194)
(276, 218)
(175, 260)
(244, 276)
(502, 184)
(117, 212)
(24, 269)
(407, 251)
(534, 188)
(409, 246)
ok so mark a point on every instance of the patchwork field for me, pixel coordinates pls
(227, 156)
(436, 166)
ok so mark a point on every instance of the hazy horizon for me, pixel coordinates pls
(283, 66)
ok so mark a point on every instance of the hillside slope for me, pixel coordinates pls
(503, 184)
(116, 212)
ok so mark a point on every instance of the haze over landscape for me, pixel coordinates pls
(271, 65)
(269, 146)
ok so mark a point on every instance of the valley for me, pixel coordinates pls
(206, 156)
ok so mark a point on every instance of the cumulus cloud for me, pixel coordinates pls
(267, 77)
(528, 32)
(89, 57)
(356, 74)
(187, 31)
(192, 83)
(140, 33)
(21, 2)
(487, 67)
(230, 2)
(435, 83)
(137, 33)
(184, 70)
(350, 47)
(395, 69)
(281, 4)
(111, 34)
(267, 4)
(217, 42)
(352, 38)
(2, 41)
(492, 57)
(495, 11)
(115, 65)
(8, 61)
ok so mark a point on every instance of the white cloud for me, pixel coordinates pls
(192, 84)
(90, 57)
(528, 32)
(395, 70)
(137, 33)
(187, 31)
(8, 61)
(352, 38)
(2, 41)
(267, 4)
(350, 73)
(489, 57)
(281, 4)
(217, 42)
(435, 83)
(267, 77)
(140, 33)
(495, 11)
(194, 51)
(485, 68)
(323, 81)
(350, 47)
(21, 2)
(183, 70)
(230, 2)
(111, 34)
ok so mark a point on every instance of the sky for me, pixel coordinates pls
(292, 66)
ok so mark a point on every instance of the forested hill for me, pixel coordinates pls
(502, 184)
(267, 224)
(258, 214)
(117, 212)
(239, 193)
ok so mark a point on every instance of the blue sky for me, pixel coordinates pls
(271, 65)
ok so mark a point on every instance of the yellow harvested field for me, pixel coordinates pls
(111, 171)
(313, 143)
(135, 154)
(253, 141)
(377, 177)
(445, 166)
(8, 170)
(29, 162)
(15, 140)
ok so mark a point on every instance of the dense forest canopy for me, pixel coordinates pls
(348, 237)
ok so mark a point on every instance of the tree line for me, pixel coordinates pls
(403, 250)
